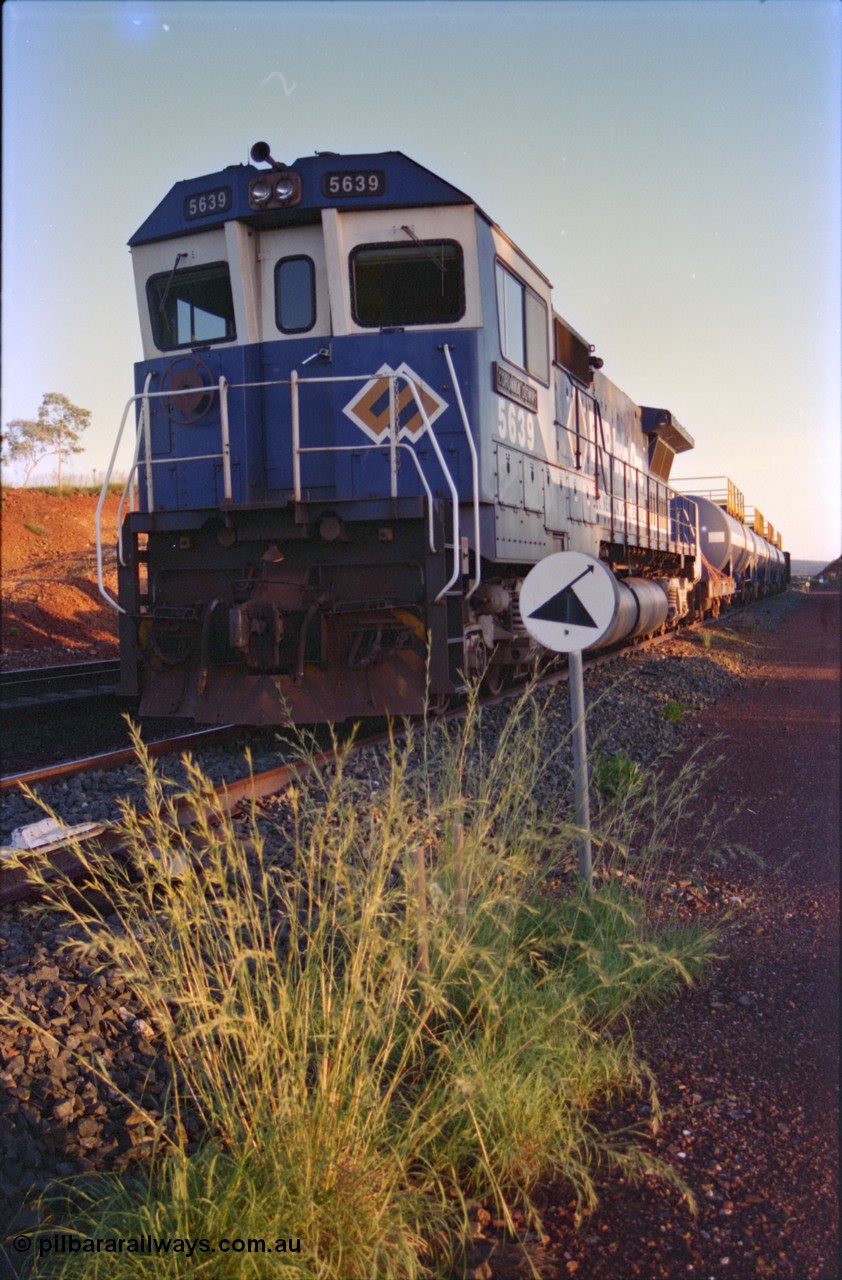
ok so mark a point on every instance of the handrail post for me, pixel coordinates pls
(474, 470)
(226, 438)
(145, 418)
(98, 517)
(393, 437)
(451, 486)
(132, 480)
(296, 437)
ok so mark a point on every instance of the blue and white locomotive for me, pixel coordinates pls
(359, 423)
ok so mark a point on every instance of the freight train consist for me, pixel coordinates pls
(359, 422)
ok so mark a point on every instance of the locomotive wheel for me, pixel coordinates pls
(185, 374)
(494, 680)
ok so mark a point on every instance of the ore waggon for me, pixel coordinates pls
(359, 421)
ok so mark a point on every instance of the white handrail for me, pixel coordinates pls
(295, 436)
(452, 487)
(226, 438)
(140, 435)
(103, 492)
(474, 471)
(359, 448)
(146, 426)
(144, 436)
(393, 441)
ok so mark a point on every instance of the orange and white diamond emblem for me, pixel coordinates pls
(369, 408)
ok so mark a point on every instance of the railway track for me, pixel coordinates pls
(58, 857)
(114, 759)
(265, 781)
(45, 687)
(227, 796)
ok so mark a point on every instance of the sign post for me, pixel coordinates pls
(568, 602)
(580, 766)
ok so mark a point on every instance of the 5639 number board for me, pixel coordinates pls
(354, 182)
(202, 204)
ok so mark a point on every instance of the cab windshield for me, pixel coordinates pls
(393, 285)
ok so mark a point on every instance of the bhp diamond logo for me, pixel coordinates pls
(369, 409)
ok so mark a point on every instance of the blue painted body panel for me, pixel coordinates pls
(260, 424)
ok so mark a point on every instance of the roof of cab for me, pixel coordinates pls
(407, 184)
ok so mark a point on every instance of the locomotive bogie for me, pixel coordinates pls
(360, 422)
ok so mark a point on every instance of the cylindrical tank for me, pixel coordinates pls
(731, 547)
(642, 606)
(753, 548)
(725, 543)
(763, 558)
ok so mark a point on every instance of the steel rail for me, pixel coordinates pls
(27, 686)
(115, 759)
(16, 885)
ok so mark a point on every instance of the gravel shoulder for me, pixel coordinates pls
(747, 1063)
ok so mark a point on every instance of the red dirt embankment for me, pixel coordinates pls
(52, 610)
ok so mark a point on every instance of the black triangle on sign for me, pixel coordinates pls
(564, 607)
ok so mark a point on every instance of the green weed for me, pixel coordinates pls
(378, 1012)
(617, 776)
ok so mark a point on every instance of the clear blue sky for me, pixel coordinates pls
(673, 167)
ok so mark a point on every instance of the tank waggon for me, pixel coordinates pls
(741, 559)
(359, 421)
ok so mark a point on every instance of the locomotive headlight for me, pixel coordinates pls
(284, 189)
(261, 191)
(275, 190)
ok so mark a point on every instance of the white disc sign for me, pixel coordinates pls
(568, 601)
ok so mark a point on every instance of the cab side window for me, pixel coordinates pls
(522, 317)
(191, 307)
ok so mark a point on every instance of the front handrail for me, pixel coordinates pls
(474, 472)
(393, 444)
(104, 491)
(452, 487)
(143, 436)
(142, 433)
(295, 381)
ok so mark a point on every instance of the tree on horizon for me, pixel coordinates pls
(55, 432)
